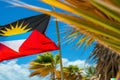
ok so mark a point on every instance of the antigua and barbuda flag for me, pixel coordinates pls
(25, 37)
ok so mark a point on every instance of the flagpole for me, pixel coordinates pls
(59, 45)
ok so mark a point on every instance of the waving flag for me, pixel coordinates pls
(25, 37)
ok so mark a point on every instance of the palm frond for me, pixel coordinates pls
(44, 65)
(107, 8)
(105, 30)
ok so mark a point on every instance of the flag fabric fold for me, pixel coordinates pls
(25, 37)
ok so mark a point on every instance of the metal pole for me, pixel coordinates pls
(59, 45)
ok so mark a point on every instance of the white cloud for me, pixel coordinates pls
(13, 71)
(79, 63)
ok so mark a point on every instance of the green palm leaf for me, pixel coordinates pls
(44, 65)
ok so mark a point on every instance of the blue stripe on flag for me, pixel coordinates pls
(15, 37)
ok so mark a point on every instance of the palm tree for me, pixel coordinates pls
(90, 73)
(104, 57)
(108, 62)
(44, 65)
(70, 73)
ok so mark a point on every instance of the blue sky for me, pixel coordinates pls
(9, 13)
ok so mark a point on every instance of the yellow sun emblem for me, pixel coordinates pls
(13, 30)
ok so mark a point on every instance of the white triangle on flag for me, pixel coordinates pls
(14, 44)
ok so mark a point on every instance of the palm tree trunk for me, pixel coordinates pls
(60, 52)
(52, 76)
(105, 74)
(112, 68)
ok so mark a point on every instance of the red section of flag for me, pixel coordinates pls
(6, 52)
(35, 43)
